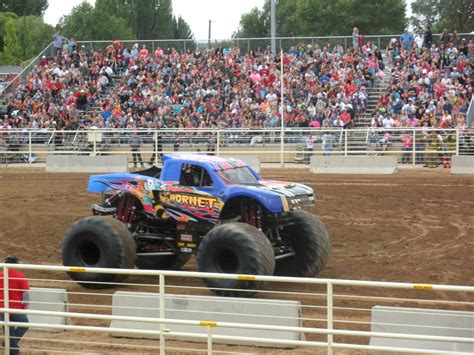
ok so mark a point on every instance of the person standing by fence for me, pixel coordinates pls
(309, 148)
(19, 298)
(327, 143)
(135, 143)
(407, 147)
(355, 38)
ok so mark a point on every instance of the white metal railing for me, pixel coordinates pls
(470, 112)
(247, 44)
(322, 298)
(271, 145)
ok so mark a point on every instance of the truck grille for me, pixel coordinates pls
(300, 201)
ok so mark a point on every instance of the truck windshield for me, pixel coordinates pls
(238, 176)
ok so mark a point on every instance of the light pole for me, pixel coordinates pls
(273, 26)
(209, 34)
(282, 127)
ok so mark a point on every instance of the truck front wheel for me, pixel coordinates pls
(235, 248)
(310, 242)
(98, 241)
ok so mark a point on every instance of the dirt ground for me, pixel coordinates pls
(414, 226)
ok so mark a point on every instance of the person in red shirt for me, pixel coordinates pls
(407, 147)
(19, 298)
(345, 117)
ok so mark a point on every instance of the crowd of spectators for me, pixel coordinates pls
(431, 83)
(119, 87)
(133, 87)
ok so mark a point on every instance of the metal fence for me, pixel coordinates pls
(470, 112)
(410, 145)
(335, 314)
(247, 44)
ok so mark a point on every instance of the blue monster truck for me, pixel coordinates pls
(217, 208)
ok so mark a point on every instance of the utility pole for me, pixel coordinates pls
(273, 25)
(209, 36)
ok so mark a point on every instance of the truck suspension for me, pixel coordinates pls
(126, 209)
(251, 214)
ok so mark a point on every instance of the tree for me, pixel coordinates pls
(24, 7)
(117, 8)
(182, 29)
(33, 35)
(255, 23)
(87, 23)
(4, 17)
(439, 14)
(11, 54)
(149, 19)
(325, 18)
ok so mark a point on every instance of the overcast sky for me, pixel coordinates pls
(225, 14)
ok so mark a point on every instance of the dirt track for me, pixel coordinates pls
(414, 226)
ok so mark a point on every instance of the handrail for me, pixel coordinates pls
(470, 112)
(27, 68)
(279, 279)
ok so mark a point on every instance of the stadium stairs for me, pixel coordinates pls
(359, 140)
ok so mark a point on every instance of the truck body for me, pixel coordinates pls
(217, 208)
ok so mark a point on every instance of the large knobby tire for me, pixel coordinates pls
(235, 248)
(98, 241)
(162, 262)
(310, 242)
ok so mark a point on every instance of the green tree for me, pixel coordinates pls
(87, 23)
(4, 17)
(165, 21)
(182, 29)
(33, 35)
(24, 7)
(149, 19)
(117, 8)
(11, 54)
(439, 14)
(325, 18)
(255, 23)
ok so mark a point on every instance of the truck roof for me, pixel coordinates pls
(211, 161)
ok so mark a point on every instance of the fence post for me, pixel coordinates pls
(162, 314)
(330, 315)
(248, 46)
(29, 147)
(95, 143)
(457, 141)
(218, 142)
(282, 148)
(6, 315)
(345, 142)
(209, 340)
(414, 148)
(155, 142)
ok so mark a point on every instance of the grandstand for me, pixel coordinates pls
(330, 86)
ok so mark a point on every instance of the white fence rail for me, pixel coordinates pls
(410, 145)
(335, 313)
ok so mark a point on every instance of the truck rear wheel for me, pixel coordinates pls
(98, 241)
(311, 244)
(235, 248)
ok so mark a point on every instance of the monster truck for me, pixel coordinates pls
(217, 208)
